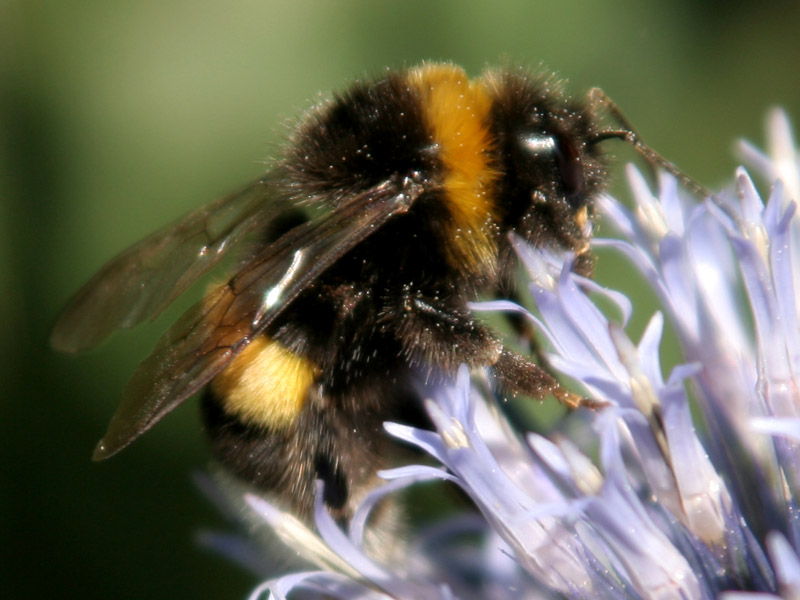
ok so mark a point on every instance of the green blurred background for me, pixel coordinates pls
(116, 117)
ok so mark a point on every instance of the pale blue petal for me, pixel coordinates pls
(787, 564)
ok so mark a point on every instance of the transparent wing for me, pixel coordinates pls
(212, 332)
(143, 280)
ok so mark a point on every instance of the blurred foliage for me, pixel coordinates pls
(116, 117)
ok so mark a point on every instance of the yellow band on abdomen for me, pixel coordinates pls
(265, 384)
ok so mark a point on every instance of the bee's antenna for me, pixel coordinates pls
(628, 134)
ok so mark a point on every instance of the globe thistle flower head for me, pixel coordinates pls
(681, 484)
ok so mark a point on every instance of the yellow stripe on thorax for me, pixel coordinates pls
(265, 384)
(457, 112)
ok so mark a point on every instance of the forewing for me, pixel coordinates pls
(143, 280)
(210, 334)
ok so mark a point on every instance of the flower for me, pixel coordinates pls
(684, 486)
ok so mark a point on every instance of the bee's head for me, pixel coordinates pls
(552, 169)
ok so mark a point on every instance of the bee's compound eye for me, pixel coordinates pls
(568, 161)
(571, 168)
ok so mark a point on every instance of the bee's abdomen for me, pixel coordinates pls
(335, 438)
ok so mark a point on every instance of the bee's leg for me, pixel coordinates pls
(434, 331)
(517, 375)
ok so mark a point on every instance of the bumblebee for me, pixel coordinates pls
(390, 209)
